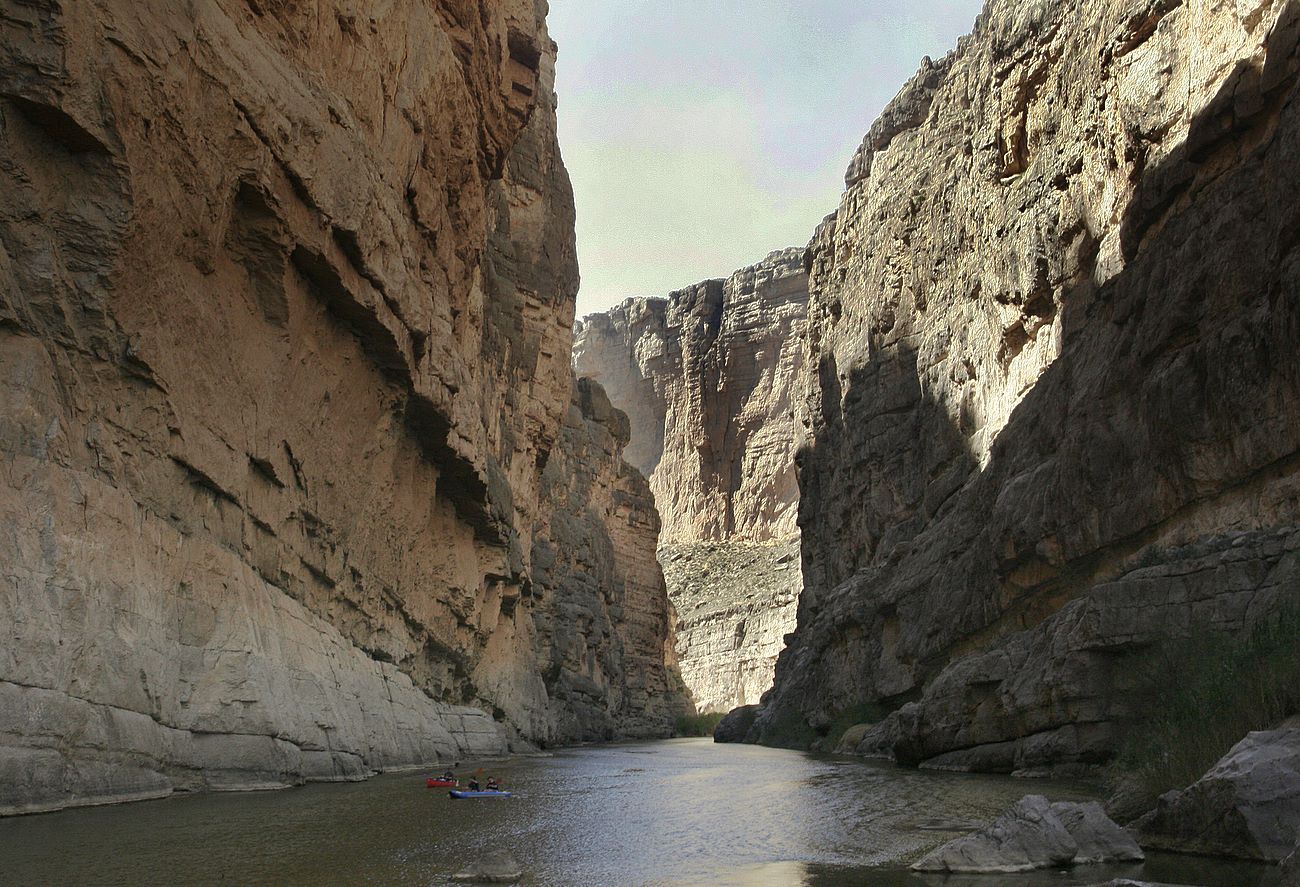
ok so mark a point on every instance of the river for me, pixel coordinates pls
(678, 813)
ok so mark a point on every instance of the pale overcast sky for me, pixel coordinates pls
(702, 134)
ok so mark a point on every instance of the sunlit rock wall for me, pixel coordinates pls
(286, 294)
(708, 378)
(1054, 402)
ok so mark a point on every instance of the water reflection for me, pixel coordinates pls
(668, 814)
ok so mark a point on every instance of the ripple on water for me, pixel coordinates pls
(669, 814)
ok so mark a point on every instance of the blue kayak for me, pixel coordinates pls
(459, 794)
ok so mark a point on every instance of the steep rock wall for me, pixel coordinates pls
(286, 294)
(1054, 419)
(708, 378)
(607, 655)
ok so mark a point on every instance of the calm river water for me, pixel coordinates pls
(679, 813)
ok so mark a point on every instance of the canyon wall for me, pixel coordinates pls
(1054, 421)
(708, 378)
(286, 294)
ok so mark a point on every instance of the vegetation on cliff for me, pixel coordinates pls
(1201, 697)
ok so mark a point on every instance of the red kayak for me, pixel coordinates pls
(442, 783)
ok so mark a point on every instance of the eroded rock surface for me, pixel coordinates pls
(708, 378)
(1036, 834)
(735, 603)
(1247, 806)
(1051, 328)
(606, 654)
(286, 294)
(1291, 866)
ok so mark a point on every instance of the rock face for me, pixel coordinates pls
(286, 294)
(1054, 418)
(1291, 867)
(606, 654)
(1246, 806)
(735, 725)
(735, 603)
(708, 379)
(1036, 834)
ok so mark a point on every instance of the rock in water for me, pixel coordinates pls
(1125, 882)
(1247, 806)
(497, 867)
(1036, 834)
(1028, 836)
(1099, 838)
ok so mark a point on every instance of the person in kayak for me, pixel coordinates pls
(448, 776)
(473, 784)
(493, 785)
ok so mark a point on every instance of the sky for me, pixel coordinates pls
(703, 134)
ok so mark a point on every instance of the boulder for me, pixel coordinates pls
(735, 726)
(1035, 834)
(495, 867)
(1099, 838)
(1028, 836)
(852, 737)
(1247, 806)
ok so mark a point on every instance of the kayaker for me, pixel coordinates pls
(493, 785)
(448, 776)
(473, 784)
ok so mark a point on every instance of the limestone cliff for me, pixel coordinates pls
(708, 377)
(286, 293)
(605, 627)
(1055, 417)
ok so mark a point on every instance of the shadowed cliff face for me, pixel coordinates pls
(1056, 420)
(286, 293)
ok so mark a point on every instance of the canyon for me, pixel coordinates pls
(309, 472)
(298, 482)
(708, 377)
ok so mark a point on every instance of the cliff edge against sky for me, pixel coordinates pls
(1054, 417)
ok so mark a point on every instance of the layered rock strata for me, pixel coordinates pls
(286, 294)
(606, 656)
(708, 377)
(1055, 415)
(735, 604)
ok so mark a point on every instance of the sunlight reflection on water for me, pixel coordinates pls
(669, 814)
